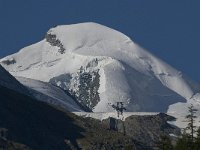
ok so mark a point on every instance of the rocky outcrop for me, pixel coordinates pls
(144, 129)
(9, 61)
(53, 41)
(83, 86)
(88, 89)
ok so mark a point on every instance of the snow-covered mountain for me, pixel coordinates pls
(38, 90)
(101, 66)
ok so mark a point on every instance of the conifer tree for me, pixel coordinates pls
(183, 142)
(197, 142)
(188, 140)
(165, 143)
(190, 118)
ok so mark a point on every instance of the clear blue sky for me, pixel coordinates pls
(168, 28)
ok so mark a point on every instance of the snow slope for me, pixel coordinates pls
(100, 65)
(102, 115)
(39, 90)
(48, 93)
(8, 81)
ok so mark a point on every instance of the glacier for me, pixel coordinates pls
(101, 66)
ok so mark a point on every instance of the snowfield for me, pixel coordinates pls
(102, 115)
(49, 93)
(101, 66)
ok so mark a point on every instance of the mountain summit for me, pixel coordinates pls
(100, 66)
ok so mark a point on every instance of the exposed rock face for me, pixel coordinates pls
(53, 41)
(9, 61)
(145, 129)
(88, 89)
(83, 85)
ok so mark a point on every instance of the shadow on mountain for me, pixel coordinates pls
(36, 124)
(144, 91)
(65, 78)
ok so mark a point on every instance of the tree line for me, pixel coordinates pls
(190, 138)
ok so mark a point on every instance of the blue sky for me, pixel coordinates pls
(168, 28)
